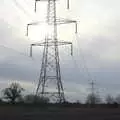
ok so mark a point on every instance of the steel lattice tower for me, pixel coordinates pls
(50, 67)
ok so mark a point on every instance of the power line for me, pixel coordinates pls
(92, 78)
(77, 66)
(84, 64)
(21, 8)
(20, 53)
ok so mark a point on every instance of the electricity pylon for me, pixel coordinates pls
(92, 87)
(50, 67)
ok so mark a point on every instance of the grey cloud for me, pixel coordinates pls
(99, 45)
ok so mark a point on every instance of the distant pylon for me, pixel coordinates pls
(92, 83)
(50, 83)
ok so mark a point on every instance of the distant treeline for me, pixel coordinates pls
(60, 105)
(12, 95)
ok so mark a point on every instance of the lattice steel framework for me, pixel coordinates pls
(50, 68)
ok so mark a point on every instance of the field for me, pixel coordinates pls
(32, 113)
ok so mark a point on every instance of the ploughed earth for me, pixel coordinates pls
(35, 113)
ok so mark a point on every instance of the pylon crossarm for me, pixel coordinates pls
(59, 22)
(50, 94)
(68, 4)
(64, 21)
(32, 23)
(67, 21)
(52, 43)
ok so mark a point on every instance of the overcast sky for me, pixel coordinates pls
(97, 40)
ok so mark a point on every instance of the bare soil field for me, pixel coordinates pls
(30, 113)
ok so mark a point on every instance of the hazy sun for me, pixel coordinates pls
(39, 32)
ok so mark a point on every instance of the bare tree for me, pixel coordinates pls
(13, 92)
(117, 99)
(93, 99)
(109, 99)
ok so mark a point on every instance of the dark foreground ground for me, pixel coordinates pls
(22, 113)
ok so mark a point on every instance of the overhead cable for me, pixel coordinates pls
(21, 8)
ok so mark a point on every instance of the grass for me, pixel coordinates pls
(9, 112)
